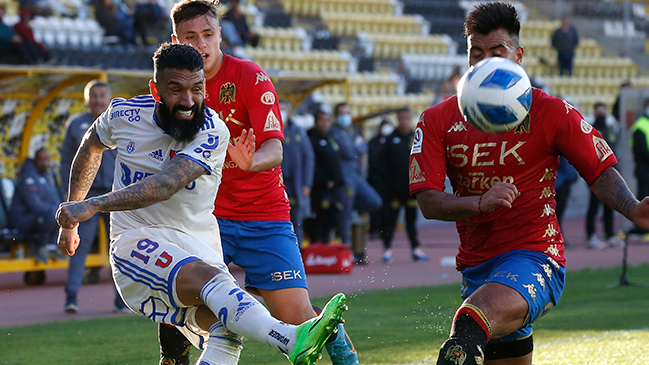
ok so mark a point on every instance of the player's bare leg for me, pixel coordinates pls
(291, 305)
(492, 311)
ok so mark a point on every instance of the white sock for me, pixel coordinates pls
(222, 348)
(242, 314)
(282, 337)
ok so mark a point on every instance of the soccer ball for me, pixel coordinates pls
(495, 95)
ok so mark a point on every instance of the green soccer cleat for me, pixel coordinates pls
(312, 334)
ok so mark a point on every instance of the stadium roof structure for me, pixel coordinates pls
(43, 84)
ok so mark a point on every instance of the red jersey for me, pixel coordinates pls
(244, 97)
(527, 157)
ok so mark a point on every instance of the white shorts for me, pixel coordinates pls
(145, 263)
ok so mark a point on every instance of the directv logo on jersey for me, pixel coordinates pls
(157, 155)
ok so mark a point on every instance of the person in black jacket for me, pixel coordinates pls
(397, 155)
(565, 39)
(327, 177)
(34, 205)
(375, 171)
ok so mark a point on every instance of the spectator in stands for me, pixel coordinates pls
(97, 96)
(148, 15)
(566, 176)
(565, 40)
(37, 53)
(235, 17)
(375, 171)
(297, 168)
(327, 178)
(397, 156)
(115, 21)
(357, 194)
(34, 205)
(447, 90)
(616, 106)
(10, 43)
(640, 148)
(608, 127)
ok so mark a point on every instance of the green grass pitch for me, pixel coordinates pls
(593, 324)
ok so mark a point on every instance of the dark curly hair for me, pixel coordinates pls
(176, 56)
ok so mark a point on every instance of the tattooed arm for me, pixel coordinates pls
(153, 189)
(611, 189)
(447, 207)
(85, 165)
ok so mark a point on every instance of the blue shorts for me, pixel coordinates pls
(536, 276)
(266, 250)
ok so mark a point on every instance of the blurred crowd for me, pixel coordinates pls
(337, 181)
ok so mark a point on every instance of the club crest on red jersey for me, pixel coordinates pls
(415, 175)
(272, 123)
(227, 94)
(602, 148)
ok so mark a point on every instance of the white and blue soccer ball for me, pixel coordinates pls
(495, 95)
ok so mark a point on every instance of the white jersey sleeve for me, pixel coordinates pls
(144, 149)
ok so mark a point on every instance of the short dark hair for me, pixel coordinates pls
(405, 109)
(190, 9)
(338, 106)
(176, 56)
(487, 17)
(599, 104)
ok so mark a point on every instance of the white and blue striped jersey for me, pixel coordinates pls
(144, 149)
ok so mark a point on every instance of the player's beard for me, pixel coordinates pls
(179, 129)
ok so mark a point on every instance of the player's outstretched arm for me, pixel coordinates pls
(611, 189)
(242, 153)
(447, 207)
(153, 189)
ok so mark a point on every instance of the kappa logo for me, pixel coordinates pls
(261, 77)
(157, 155)
(272, 123)
(228, 93)
(585, 127)
(457, 127)
(417, 142)
(268, 98)
(568, 106)
(415, 174)
(602, 148)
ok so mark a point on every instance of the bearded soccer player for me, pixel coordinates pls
(252, 207)
(165, 250)
(511, 252)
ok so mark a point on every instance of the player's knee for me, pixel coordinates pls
(191, 279)
(459, 351)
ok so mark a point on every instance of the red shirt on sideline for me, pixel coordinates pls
(527, 157)
(244, 97)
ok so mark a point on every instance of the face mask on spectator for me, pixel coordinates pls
(284, 116)
(387, 129)
(344, 120)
